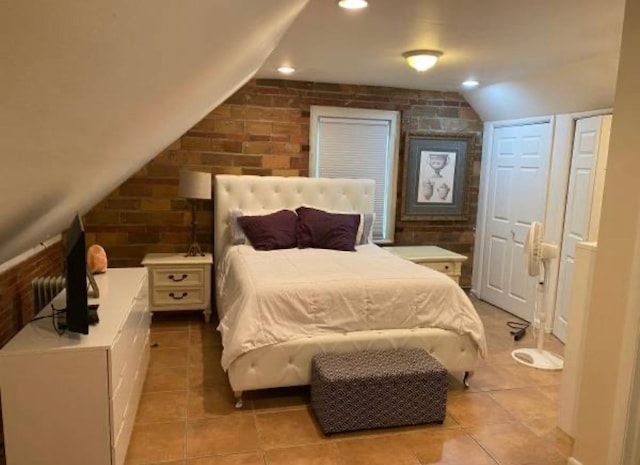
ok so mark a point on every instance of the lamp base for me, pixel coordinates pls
(194, 250)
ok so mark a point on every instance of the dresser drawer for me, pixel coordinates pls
(123, 427)
(177, 276)
(178, 297)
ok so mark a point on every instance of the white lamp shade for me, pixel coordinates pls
(195, 185)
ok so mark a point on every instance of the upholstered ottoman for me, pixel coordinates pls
(377, 389)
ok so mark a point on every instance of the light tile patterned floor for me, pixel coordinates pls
(186, 415)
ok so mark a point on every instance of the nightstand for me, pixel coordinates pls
(177, 282)
(436, 258)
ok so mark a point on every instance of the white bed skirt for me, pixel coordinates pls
(289, 363)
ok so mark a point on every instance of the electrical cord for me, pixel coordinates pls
(56, 312)
(519, 329)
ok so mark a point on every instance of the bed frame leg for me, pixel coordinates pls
(238, 396)
(465, 380)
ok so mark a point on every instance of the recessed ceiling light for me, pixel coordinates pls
(353, 4)
(286, 70)
(470, 83)
(422, 60)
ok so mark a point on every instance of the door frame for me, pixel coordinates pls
(562, 133)
(485, 174)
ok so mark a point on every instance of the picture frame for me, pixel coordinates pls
(437, 172)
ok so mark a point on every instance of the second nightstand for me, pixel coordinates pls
(445, 261)
(177, 282)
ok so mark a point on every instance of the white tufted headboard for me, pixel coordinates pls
(268, 193)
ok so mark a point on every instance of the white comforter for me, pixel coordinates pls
(276, 296)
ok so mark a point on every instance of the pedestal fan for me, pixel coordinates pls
(538, 255)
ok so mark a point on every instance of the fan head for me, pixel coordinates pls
(533, 248)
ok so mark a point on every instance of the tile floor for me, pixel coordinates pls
(186, 415)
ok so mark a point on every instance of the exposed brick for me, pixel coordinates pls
(256, 147)
(135, 217)
(155, 204)
(217, 159)
(276, 161)
(263, 129)
(229, 126)
(196, 143)
(258, 128)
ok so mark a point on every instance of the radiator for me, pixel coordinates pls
(45, 289)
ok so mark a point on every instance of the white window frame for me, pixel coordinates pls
(393, 149)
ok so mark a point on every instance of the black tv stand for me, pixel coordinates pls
(60, 317)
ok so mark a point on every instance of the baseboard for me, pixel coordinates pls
(573, 461)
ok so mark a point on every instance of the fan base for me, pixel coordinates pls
(536, 358)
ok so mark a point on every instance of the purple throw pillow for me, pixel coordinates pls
(274, 231)
(324, 230)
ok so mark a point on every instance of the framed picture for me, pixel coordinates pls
(436, 177)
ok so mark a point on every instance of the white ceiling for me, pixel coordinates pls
(494, 41)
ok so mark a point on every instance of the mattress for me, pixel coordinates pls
(269, 297)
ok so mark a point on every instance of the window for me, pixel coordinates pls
(359, 144)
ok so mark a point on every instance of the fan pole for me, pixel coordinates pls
(538, 357)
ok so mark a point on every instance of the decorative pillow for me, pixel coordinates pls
(367, 220)
(268, 232)
(324, 230)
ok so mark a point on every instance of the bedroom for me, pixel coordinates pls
(93, 196)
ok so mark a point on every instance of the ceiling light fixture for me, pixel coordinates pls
(422, 60)
(353, 4)
(470, 83)
(286, 70)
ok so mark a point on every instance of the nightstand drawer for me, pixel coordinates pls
(443, 267)
(178, 296)
(178, 276)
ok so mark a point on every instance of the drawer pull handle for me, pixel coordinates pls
(177, 280)
(173, 296)
(446, 267)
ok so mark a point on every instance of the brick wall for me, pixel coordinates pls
(263, 129)
(16, 304)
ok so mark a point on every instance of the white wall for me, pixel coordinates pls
(614, 314)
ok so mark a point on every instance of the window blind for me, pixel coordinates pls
(358, 149)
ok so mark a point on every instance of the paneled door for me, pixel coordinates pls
(517, 192)
(582, 213)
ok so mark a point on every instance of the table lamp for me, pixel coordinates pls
(194, 185)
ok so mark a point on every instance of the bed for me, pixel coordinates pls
(279, 308)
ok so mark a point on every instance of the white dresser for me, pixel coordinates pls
(72, 399)
(177, 282)
(436, 258)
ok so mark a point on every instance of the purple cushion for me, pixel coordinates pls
(324, 230)
(268, 232)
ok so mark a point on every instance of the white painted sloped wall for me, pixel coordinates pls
(90, 91)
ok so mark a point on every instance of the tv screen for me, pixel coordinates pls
(76, 313)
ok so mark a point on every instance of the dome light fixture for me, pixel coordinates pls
(353, 4)
(286, 70)
(422, 60)
(470, 84)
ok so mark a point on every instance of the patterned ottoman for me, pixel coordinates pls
(377, 389)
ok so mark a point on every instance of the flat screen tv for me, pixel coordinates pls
(76, 313)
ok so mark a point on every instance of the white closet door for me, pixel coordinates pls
(519, 169)
(582, 213)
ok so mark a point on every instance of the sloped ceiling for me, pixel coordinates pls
(91, 90)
